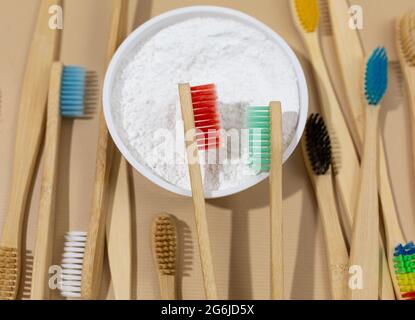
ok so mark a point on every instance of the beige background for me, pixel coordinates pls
(238, 224)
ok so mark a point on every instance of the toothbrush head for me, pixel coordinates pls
(165, 244)
(206, 116)
(404, 262)
(259, 128)
(72, 261)
(406, 36)
(317, 145)
(9, 273)
(308, 14)
(376, 76)
(72, 98)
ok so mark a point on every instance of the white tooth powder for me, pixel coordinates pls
(247, 68)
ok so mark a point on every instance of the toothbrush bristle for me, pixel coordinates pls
(165, 244)
(407, 36)
(206, 116)
(318, 144)
(72, 261)
(376, 76)
(308, 14)
(404, 262)
(259, 125)
(8, 273)
(73, 91)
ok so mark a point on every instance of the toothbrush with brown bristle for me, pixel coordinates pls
(347, 168)
(165, 253)
(405, 42)
(30, 126)
(201, 121)
(317, 154)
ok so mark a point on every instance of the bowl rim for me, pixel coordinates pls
(239, 16)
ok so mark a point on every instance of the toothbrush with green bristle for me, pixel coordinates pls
(66, 99)
(364, 252)
(265, 153)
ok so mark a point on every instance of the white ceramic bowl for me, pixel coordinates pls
(149, 29)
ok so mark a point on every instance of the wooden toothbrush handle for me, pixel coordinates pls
(95, 244)
(119, 229)
(168, 287)
(347, 165)
(197, 193)
(46, 217)
(337, 255)
(410, 89)
(365, 240)
(350, 55)
(30, 121)
(276, 223)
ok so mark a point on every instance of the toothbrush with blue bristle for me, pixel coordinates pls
(265, 154)
(364, 252)
(66, 99)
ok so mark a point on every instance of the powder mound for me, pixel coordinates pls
(247, 68)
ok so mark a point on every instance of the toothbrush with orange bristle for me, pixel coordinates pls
(200, 115)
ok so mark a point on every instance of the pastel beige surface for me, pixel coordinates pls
(238, 225)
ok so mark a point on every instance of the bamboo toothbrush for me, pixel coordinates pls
(30, 125)
(347, 169)
(365, 249)
(350, 56)
(201, 120)
(405, 36)
(106, 154)
(165, 254)
(404, 259)
(265, 148)
(317, 153)
(66, 99)
(119, 234)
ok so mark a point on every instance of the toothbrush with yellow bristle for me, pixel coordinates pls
(306, 17)
(405, 41)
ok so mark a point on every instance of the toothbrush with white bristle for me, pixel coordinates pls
(72, 260)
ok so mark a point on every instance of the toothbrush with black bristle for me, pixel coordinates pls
(265, 153)
(317, 153)
(66, 99)
(364, 253)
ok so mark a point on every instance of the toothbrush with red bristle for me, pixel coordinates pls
(206, 116)
(200, 116)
